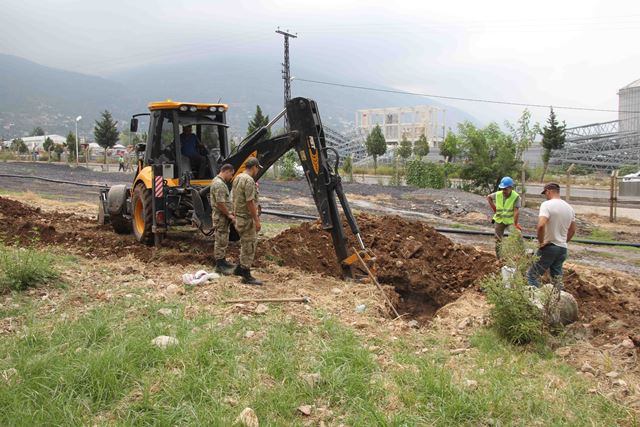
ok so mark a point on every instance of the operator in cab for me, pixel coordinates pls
(245, 207)
(191, 147)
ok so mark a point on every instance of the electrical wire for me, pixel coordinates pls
(459, 98)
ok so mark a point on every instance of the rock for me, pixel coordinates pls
(150, 282)
(413, 324)
(305, 410)
(336, 291)
(620, 383)
(165, 311)
(247, 418)
(261, 309)
(472, 384)
(588, 368)
(9, 374)
(612, 374)
(592, 390)
(173, 290)
(164, 341)
(249, 334)
(230, 401)
(563, 351)
(627, 343)
(464, 323)
(410, 248)
(311, 379)
(458, 351)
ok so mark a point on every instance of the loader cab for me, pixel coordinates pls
(188, 139)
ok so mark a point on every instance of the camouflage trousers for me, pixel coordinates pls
(248, 240)
(222, 225)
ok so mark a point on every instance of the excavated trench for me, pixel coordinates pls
(426, 269)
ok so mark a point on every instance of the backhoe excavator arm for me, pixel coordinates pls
(306, 137)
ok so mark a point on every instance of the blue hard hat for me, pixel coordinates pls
(506, 182)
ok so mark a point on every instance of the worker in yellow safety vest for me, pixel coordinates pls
(505, 203)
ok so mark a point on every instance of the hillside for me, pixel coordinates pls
(35, 95)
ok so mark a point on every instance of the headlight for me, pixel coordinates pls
(221, 109)
(212, 109)
(193, 109)
(183, 108)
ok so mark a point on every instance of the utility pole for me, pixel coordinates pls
(286, 74)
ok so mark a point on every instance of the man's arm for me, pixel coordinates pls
(571, 232)
(223, 208)
(542, 222)
(491, 202)
(516, 215)
(253, 211)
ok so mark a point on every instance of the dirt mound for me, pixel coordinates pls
(26, 226)
(609, 304)
(426, 268)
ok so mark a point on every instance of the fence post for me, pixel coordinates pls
(568, 192)
(612, 189)
(523, 195)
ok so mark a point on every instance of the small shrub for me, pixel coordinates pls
(24, 268)
(513, 315)
(425, 174)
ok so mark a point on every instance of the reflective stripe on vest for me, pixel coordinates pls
(505, 207)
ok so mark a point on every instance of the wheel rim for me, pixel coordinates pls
(138, 216)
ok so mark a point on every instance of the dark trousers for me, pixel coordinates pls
(551, 257)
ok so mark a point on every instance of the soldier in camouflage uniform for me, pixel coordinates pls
(245, 207)
(223, 216)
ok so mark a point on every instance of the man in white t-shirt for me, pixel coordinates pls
(556, 227)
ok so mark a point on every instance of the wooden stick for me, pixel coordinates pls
(366, 268)
(240, 301)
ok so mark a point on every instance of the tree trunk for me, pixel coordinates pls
(375, 165)
(105, 156)
(544, 171)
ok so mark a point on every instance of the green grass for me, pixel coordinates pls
(270, 229)
(102, 369)
(460, 226)
(601, 234)
(22, 268)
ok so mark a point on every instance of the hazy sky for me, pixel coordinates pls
(549, 52)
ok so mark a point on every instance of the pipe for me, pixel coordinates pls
(82, 184)
(313, 218)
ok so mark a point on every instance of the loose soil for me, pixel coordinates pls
(424, 267)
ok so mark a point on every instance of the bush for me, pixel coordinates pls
(289, 164)
(425, 175)
(24, 268)
(627, 169)
(513, 315)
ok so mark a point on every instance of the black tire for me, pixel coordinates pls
(121, 225)
(142, 215)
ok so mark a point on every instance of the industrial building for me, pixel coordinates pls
(629, 101)
(606, 145)
(411, 122)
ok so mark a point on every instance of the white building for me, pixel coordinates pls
(411, 122)
(629, 100)
(35, 143)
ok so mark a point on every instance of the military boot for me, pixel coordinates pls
(223, 267)
(248, 279)
(238, 270)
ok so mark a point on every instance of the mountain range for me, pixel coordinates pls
(36, 95)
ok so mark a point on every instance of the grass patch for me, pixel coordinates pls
(22, 268)
(460, 226)
(101, 369)
(270, 229)
(601, 234)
